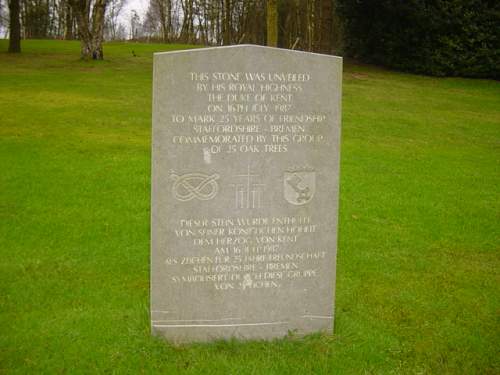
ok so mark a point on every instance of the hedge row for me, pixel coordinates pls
(439, 37)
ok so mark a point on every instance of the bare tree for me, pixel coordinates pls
(187, 28)
(113, 11)
(3, 19)
(121, 32)
(272, 23)
(151, 24)
(35, 15)
(158, 19)
(325, 27)
(69, 21)
(61, 23)
(302, 24)
(164, 11)
(227, 22)
(89, 16)
(135, 23)
(14, 27)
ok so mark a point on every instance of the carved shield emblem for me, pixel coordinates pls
(299, 185)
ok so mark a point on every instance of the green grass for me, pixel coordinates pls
(419, 253)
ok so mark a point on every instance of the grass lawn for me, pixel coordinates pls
(418, 286)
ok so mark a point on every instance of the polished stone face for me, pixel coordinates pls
(245, 176)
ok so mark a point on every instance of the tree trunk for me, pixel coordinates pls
(219, 24)
(68, 27)
(272, 23)
(227, 22)
(164, 32)
(14, 27)
(164, 12)
(91, 31)
(169, 20)
(84, 34)
(326, 28)
(98, 29)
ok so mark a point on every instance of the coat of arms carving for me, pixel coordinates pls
(299, 185)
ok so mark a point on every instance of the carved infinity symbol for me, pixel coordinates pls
(194, 185)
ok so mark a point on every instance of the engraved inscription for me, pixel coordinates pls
(246, 253)
(250, 113)
(244, 205)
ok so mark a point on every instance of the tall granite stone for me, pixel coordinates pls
(245, 175)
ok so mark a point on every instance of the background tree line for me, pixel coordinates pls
(301, 24)
(439, 37)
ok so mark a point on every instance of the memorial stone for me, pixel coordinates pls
(245, 176)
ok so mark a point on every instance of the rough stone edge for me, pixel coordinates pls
(246, 46)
